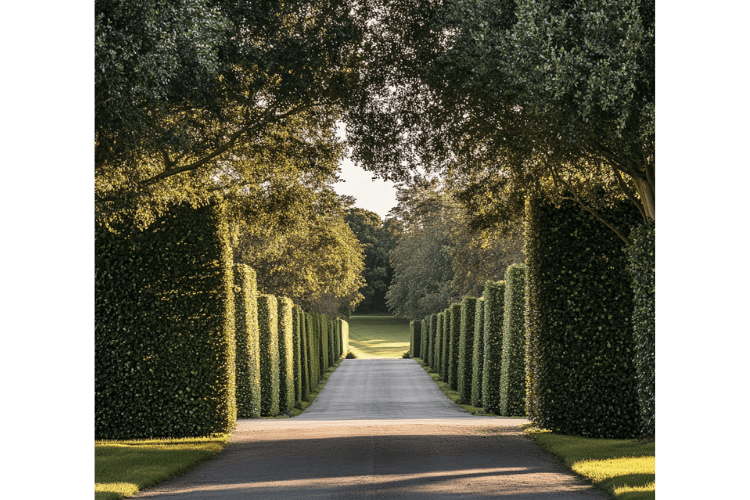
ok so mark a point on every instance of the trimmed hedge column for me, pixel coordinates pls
(643, 272)
(466, 348)
(494, 307)
(304, 356)
(513, 373)
(423, 338)
(431, 341)
(437, 355)
(580, 322)
(268, 320)
(477, 364)
(313, 331)
(415, 328)
(344, 336)
(453, 347)
(445, 347)
(286, 354)
(248, 348)
(165, 328)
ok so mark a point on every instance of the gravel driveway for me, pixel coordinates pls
(380, 429)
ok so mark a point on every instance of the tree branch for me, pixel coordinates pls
(630, 196)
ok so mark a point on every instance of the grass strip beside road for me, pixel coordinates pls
(624, 468)
(123, 468)
(378, 336)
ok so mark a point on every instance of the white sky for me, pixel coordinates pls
(377, 195)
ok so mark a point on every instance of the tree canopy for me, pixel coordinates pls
(514, 98)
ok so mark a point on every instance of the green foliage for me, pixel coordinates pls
(286, 354)
(268, 321)
(494, 313)
(298, 343)
(431, 335)
(313, 338)
(378, 240)
(344, 336)
(454, 338)
(580, 373)
(513, 371)
(248, 348)
(164, 336)
(466, 349)
(643, 271)
(324, 359)
(305, 354)
(445, 347)
(477, 363)
(415, 338)
(425, 333)
(438, 348)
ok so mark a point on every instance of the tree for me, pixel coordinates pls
(317, 265)
(378, 242)
(547, 96)
(198, 96)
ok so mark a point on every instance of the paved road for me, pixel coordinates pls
(381, 429)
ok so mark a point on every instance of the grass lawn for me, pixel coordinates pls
(378, 336)
(624, 468)
(123, 468)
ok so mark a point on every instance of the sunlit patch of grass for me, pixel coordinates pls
(123, 468)
(622, 467)
(378, 336)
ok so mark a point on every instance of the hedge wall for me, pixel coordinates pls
(438, 347)
(513, 372)
(445, 347)
(581, 377)
(164, 328)
(297, 347)
(313, 330)
(643, 273)
(466, 349)
(304, 354)
(268, 321)
(415, 338)
(247, 359)
(323, 353)
(494, 307)
(431, 336)
(286, 354)
(423, 338)
(344, 336)
(477, 362)
(453, 347)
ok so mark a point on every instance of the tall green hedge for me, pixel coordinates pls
(304, 354)
(453, 346)
(643, 274)
(477, 363)
(423, 338)
(415, 338)
(247, 336)
(438, 349)
(445, 347)
(323, 352)
(297, 329)
(581, 377)
(494, 308)
(286, 354)
(313, 330)
(431, 336)
(513, 372)
(164, 327)
(466, 349)
(344, 336)
(268, 321)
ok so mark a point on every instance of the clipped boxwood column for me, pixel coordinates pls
(477, 364)
(323, 350)
(466, 349)
(436, 356)
(432, 333)
(165, 327)
(453, 345)
(314, 331)
(247, 336)
(304, 356)
(580, 321)
(445, 347)
(268, 321)
(423, 338)
(513, 373)
(494, 307)
(344, 337)
(415, 328)
(643, 273)
(286, 354)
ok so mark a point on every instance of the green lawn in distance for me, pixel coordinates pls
(378, 336)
